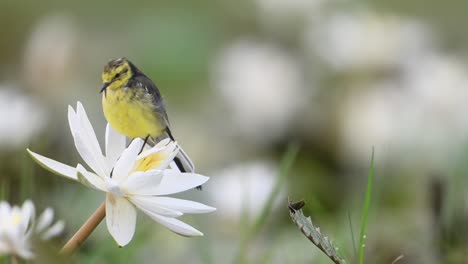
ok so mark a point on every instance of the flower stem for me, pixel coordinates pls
(85, 230)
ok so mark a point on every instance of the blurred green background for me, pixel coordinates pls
(243, 79)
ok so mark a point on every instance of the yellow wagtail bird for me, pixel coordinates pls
(134, 106)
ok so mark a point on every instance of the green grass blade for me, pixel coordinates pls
(365, 212)
(353, 239)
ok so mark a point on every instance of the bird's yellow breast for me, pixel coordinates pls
(130, 116)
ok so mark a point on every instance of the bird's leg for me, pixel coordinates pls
(144, 143)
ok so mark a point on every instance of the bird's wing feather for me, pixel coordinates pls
(182, 160)
(151, 89)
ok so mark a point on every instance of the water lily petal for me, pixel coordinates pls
(127, 160)
(170, 155)
(45, 219)
(176, 226)
(53, 231)
(142, 182)
(115, 144)
(162, 145)
(88, 131)
(148, 206)
(90, 179)
(184, 206)
(175, 182)
(120, 218)
(92, 157)
(54, 166)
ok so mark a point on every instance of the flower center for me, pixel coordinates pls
(15, 219)
(150, 162)
(12, 221)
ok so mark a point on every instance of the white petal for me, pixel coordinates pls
(28, 214)
(90, 179)
(176, 226)
(168, 160)
(73, 120)
(53, 231)
(93, 158)
(24, 252)
(88, 130)
(120, 218)
(113, 187)
(28, 211)
(115, 145)
(54, 166)
(5, 209)
(45, 220)
(142, 183)
(127, 160)
(175, 182)
(148, 206)
(162, 145)
(184, 206)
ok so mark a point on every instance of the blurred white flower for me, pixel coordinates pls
(130, 179)
(423, 114)
(243, 188)
(21, 117)
(48, 54)
(18, 227)
(262, 87)
(366, 40)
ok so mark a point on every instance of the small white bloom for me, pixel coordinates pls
(20, 115)
(421, 115)
(18, 226)
(244, 188)
(262, 87)
(48, 56)
(130, 180)
(365, 40)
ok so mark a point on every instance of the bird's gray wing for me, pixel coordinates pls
(141, 80)
(182, 160)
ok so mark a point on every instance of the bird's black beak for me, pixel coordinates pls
(104, 87)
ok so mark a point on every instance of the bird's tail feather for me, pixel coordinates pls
(183, 162)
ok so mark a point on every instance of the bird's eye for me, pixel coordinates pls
(117, 76)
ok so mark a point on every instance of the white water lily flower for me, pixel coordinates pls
(130, 179)
(18, 226)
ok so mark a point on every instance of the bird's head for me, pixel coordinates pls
(116, 74)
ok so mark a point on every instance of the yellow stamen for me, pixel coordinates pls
(150, 162)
